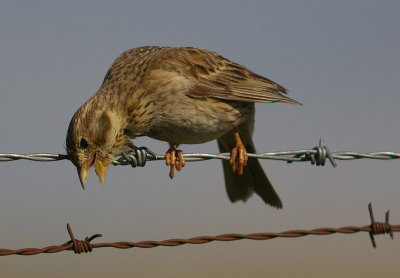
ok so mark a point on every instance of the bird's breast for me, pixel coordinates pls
(198, 120)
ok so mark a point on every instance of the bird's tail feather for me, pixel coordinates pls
(253, 179)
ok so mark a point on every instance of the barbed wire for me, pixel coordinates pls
(139, 156)
(80, 246)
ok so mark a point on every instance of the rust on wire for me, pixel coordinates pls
(86, 246)
(379, 228)
(80, 246)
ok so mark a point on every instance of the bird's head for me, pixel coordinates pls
(95, 137)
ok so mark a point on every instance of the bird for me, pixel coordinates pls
(180, 95)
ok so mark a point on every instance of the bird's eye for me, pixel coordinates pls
(83, 144)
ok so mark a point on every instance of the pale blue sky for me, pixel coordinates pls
(339, 58)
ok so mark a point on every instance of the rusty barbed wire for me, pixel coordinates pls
(138, 157)
(86, 246)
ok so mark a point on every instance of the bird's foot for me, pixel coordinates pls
(170, 160)
(238, 155)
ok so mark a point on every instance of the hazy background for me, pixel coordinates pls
(339, 58)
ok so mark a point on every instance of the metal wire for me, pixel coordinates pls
(139, 156)
(86, 246)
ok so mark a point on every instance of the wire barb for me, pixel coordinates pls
(318, 158)
(379, 228)
(80, 246)
(136, 157)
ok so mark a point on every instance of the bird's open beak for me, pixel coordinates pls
(100, 170)
(98, 167)
(83, 174)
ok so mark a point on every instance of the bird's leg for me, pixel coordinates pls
(238, 155)
(170, 160)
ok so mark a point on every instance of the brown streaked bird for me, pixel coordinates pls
(181, 95)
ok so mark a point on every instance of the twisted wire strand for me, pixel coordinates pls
(196, 240)
(80, 246)
(282, 155)
(139, 156)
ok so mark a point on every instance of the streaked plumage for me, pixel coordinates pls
(181, 95)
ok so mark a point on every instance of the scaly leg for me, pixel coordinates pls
(170, 160)
(238, 155)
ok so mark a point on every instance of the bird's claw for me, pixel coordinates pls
(170, 160)
(238, 156)
(238, 159)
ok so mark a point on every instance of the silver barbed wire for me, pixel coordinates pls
(139, 156)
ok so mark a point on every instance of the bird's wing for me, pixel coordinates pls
(217, 77)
